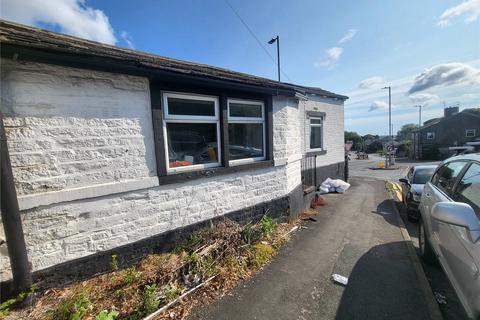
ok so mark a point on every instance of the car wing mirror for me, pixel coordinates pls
(458, 214)
(403, 180)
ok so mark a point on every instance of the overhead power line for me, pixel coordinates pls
(256, 38)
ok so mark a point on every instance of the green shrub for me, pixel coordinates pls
(72, 308)
(150, 300)
(114, 262)
(130, 275)
(260, 254)
(172, 292)
(5, 306)
(250, 234)
(105, 315)
(267, 224)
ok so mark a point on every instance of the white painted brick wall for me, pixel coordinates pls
(70, 128)
(333, 128)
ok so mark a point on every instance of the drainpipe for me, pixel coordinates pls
(11, 219)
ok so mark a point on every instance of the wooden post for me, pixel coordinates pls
(11, 220)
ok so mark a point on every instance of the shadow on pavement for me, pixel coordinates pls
(385, 210)
(382, 285)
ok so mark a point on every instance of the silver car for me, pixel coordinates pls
(450, 226)
(412, 188)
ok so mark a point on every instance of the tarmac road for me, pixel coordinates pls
(356, 235)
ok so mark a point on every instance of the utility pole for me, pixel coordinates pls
(419, 115)
(277, 40)
(389, 121)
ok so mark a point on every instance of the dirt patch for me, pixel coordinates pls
(224, 254)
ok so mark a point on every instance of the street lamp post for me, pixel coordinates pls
(389, 121)
(419, 115)
(277, 40)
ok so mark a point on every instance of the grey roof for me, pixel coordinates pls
(13, 34)
(439, 120)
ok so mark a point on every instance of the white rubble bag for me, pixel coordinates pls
(334, 185)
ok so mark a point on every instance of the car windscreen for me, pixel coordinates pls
(422, 175)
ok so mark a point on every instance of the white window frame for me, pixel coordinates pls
(247, 120)
(432, 137)
(172, 118)
(474, 131)
(310, 125)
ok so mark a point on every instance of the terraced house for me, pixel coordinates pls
(115, 151)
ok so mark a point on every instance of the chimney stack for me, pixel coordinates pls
(450, 111)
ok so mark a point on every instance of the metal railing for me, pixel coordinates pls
(309, 171)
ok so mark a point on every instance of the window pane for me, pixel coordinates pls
(469, 188)
(423, 175)
(245, 110)
(315, 137)
(245, 140)
(191, 107)
(316, 121)
(445, 177)
(192, 143)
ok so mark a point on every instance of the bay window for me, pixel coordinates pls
(246, 131)
(191, 130)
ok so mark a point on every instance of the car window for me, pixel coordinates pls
(468, 189)
(445, 177)
(423, 175)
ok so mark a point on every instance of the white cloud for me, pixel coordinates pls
(444, 75)
(128, 39)
(333, 54)
(331, 57)
(72, 17)
(376, 105)
(470, 8)
(348, 36)
(423, 98)
(373, 82)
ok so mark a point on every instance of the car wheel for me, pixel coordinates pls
(426, 251)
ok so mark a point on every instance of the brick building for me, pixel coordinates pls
(439, 138)
(114, 151)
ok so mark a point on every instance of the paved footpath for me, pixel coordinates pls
(356, 235)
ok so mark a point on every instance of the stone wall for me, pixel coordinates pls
(75, 133)
(82, 153)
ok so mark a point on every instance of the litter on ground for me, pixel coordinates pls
(441, 299)
(334, 185)
(340, 279)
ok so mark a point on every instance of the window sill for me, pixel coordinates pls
(212, 172)
(316, 153)
(92, 191)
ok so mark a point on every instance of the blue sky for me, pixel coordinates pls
(428, 51)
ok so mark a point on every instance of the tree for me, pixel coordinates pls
(405, 131)
(354, 137)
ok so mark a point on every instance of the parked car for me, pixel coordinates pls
(450, 227)
(412, 187)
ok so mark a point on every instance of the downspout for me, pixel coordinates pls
(12, 222)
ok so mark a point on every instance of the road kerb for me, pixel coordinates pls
(432, 306)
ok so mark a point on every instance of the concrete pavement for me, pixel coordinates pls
(356, 235)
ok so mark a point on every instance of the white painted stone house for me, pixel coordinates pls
(118, 151)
